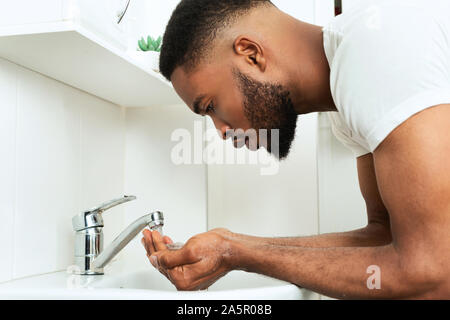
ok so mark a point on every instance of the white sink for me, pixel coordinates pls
(147, 284)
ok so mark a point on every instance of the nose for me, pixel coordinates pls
(222, 127)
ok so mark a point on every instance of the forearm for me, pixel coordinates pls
(335, 272)
(370, 236)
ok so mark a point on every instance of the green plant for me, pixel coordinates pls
(151, 44)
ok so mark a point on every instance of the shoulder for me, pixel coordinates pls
(415, 156)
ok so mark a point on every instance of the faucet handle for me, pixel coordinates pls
(93, 217)
(109, 204)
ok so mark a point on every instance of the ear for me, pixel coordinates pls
(251, 51)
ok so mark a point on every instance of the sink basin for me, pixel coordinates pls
(147, 284)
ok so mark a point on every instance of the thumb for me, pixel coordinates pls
(169, 259)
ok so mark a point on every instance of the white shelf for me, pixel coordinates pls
(77, 57)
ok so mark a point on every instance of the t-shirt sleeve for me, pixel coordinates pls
(389, 67)
(344, 135)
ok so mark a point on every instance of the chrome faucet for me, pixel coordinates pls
(90, 257)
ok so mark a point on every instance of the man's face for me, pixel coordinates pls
(235, 101)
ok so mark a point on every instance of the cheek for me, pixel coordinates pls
(232, 111)
(234, 116)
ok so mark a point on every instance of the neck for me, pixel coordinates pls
(309, 79)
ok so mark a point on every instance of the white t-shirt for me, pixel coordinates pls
(389, 59)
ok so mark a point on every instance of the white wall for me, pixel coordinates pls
(283, 204)
(312, 11)
(303, 10)
(30, 11)
(348, 4)
(341, 205)
(179, 191)
(62, 152)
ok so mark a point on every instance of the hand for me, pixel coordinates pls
(203, 260)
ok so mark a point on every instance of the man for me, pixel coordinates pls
(383, 70)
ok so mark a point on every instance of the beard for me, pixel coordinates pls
(269, 106)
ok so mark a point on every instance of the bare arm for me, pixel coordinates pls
(376, 233)
(413, 174)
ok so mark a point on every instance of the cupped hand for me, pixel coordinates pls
(203, 260)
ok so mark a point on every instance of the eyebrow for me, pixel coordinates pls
(196, 105)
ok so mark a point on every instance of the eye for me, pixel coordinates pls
(209, 108)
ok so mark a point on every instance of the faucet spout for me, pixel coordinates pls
(90, 258)
(124, 238)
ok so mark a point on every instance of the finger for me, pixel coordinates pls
(144, 244)
(149, 242)
(169, 259)
(204, 283)
(153, 261)
(188, 278)
(158, 241)
(167, 240)
(155, 264)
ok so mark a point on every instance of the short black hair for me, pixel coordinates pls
(192, 28)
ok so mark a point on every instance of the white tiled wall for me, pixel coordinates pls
(312, 11)
(347, 4)
(179, 191)
(341, 205)
(282, 204)
(26, 11)
(303, 10)
(62, 152)
(8, 95)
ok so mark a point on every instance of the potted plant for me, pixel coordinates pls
(148, 52)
